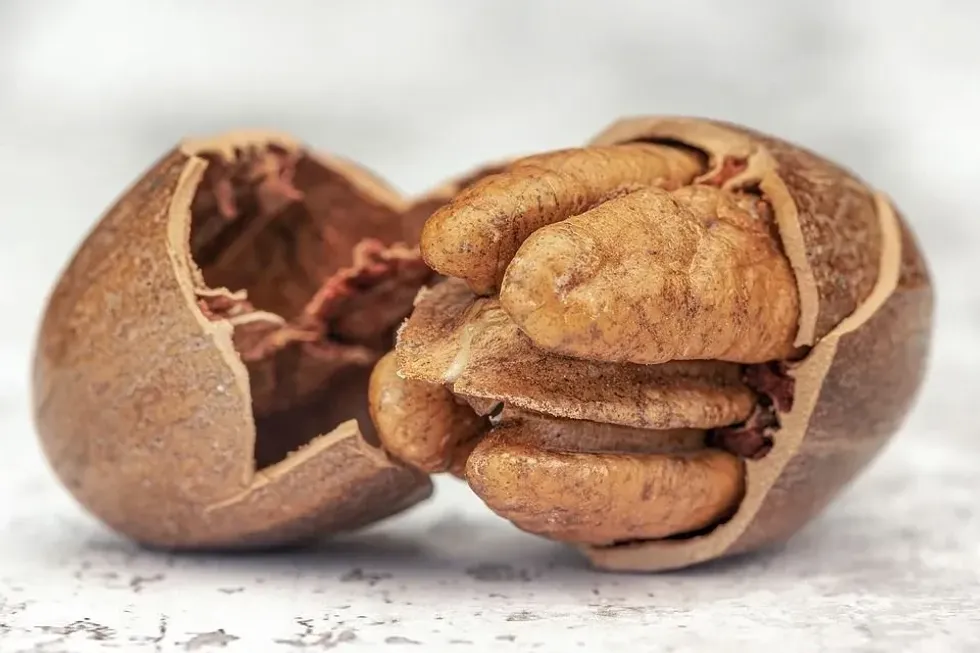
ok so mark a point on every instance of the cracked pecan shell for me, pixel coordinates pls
(676, 276)
(202, 364)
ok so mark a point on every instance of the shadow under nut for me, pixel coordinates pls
(599, 498)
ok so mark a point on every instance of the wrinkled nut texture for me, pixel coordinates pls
(586, 490)
(418, 421)
(688, 337)
(475, 237)
(202, 367)
(677, 264)
(469, 344)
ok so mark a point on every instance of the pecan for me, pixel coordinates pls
(475, 236)
(676, 334)
(202, 369)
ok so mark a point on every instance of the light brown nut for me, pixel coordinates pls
(470, 345)
(422, 208)
(601, 498)
(200, 379)
(420, 423)
(834, 367)
(656, 276)
(475, 236)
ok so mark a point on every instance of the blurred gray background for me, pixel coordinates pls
(92, 92)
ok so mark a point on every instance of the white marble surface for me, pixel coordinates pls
(91, 93)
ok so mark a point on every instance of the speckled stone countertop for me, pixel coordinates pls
(89, 97)
(889, 568)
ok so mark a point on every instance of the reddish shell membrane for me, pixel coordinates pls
(313, 274)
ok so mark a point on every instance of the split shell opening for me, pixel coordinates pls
(201, 368)
(831, 333)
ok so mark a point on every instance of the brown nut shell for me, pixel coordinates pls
(141, 383)
(866, 310)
